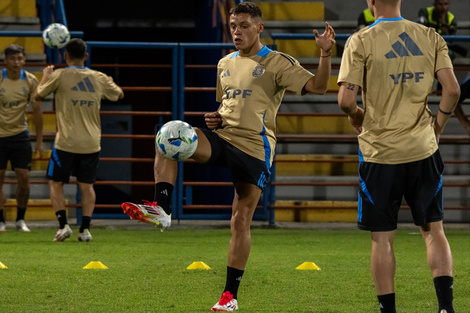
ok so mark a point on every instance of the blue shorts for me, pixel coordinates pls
(62, 164)
(243, 167)
(383, 186)
(16, 149)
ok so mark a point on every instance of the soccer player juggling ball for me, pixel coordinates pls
(241, 133)
(78, 92)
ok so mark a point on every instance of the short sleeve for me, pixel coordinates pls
(51, 85)
(352, 62)
(33, 84)
(442, 54)
(218, 90)
(291, 75)
(110, 90)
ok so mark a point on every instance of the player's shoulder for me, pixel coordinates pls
(281, 58)
(227, 57)
(31, 76)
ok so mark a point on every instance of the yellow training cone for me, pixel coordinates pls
(2, 266)
(198, 266)
(97, 265)
(308, 266)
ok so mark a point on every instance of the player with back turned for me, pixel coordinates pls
(394, 62)
(78, 93)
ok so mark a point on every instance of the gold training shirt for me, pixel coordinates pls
(78, 93)
(394, 61)
(14, 98)
(251, 90)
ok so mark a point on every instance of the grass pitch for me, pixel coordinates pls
(147, 271)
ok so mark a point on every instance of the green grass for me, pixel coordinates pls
(147, 271)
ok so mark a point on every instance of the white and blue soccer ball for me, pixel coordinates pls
(56, 36)
(176, 140)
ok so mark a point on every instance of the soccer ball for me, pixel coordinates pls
(56, 36)
(176, 140)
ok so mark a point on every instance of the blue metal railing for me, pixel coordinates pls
(174, 47)
(281, 36)
(53, 11)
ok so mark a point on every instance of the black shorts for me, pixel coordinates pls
(17, 149)
(64, 164)
(243, 167)
(383, 186)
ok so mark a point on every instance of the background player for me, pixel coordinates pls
(78, 92)
(16, 90)
(394, 62)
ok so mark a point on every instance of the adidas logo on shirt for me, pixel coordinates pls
(225, 74)
(85, 85)
(400, 50)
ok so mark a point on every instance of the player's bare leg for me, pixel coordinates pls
(440, 262)
(57, 195)
(2, 201)
(383, 261)
(166, 170)
(88, 198)
(22, 197)
(439, 255)
(58, 204)
(243, 207)
(88, 206)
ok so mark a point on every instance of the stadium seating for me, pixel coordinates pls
(21, 15)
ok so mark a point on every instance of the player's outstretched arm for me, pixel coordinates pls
(46, 74)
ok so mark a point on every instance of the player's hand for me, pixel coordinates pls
(325, 41)
(47, 72)
(213, 120)
(38, 148)
(356, 120)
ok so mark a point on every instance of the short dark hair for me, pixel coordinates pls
(76, 48)
(14, 49)
(247, 7)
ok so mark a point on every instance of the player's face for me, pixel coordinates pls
(245, 31)
(15, 62)
(442, 6)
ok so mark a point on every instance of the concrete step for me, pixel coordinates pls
(315, 211)
(346, 187)
(281, 12)
(18, 8)
(292, 11)
(38, 210)
(308, 124)
(32, 45)
(38, 190)
(314, 164)
(49, 123)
